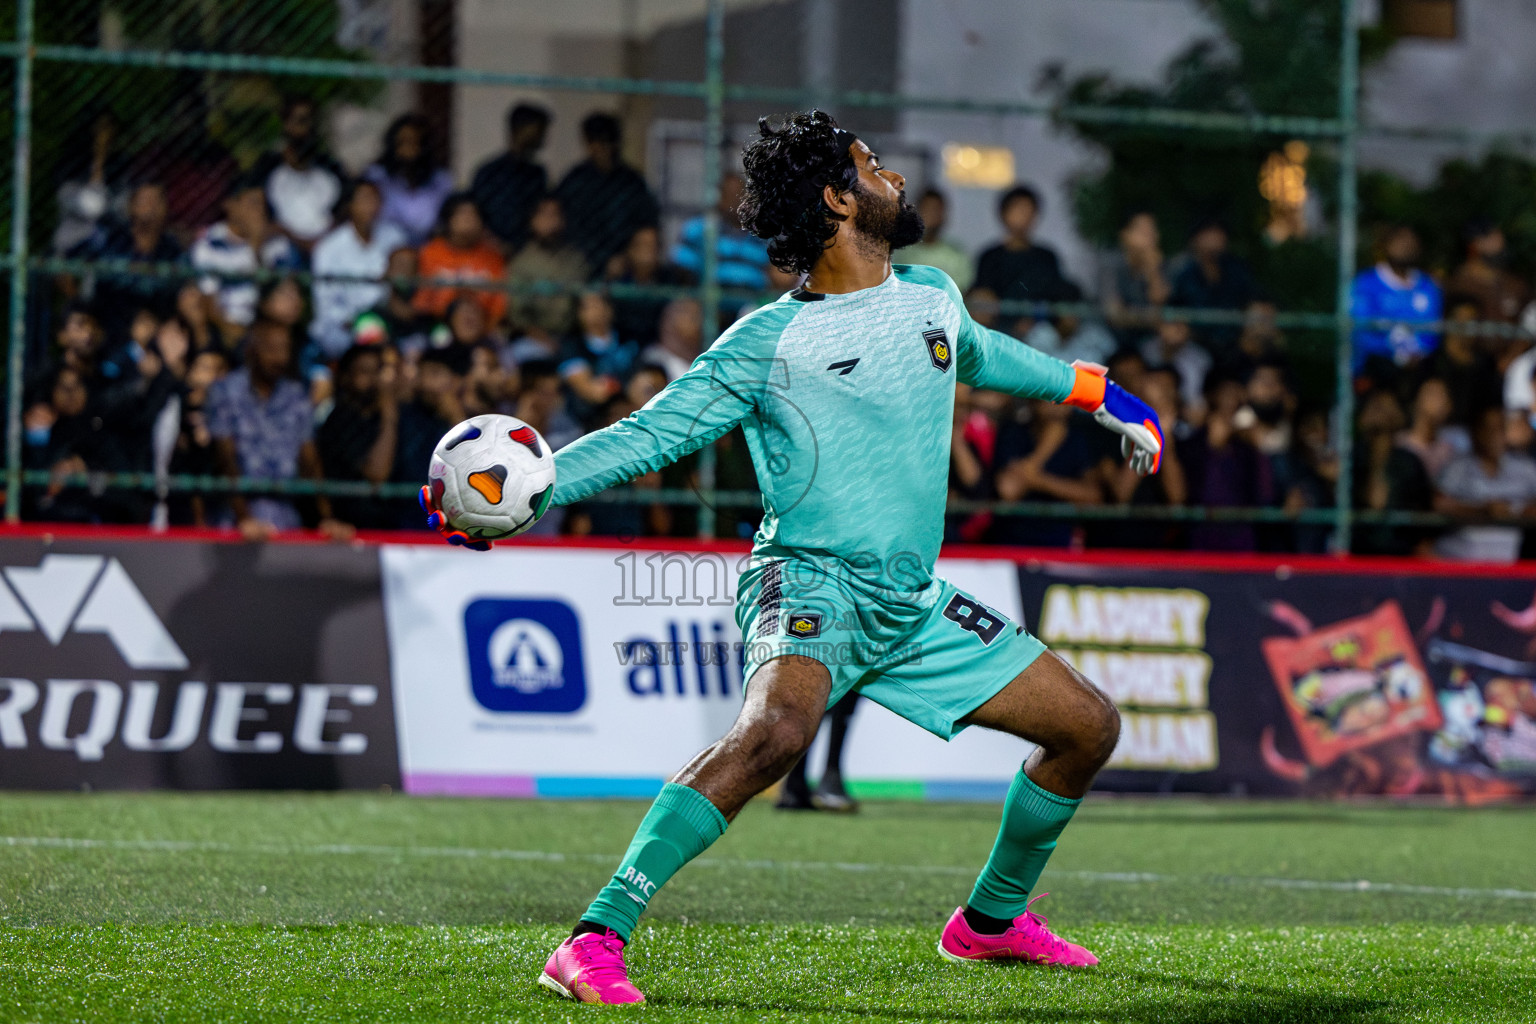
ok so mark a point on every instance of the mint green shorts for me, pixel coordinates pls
(932, 664)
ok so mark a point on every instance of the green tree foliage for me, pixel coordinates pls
(1276, 57)
(166, 110)
(1501, 187)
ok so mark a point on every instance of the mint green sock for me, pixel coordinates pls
(680, 825)
(1032, 819)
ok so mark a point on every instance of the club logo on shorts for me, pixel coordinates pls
(805, 624)
(938, 349)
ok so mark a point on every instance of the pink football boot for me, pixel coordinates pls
(1029, 940)
(590, 968)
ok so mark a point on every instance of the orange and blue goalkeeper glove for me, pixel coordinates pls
(1141, 435)
(439, 522)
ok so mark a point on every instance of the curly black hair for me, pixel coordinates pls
(786, 167)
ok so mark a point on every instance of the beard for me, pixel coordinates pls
(886, 224)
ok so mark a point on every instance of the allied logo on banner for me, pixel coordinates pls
(87, 594)
(525, 655)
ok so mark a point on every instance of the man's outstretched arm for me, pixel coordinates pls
(992, 360)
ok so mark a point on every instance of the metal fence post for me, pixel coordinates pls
(16, 346)
(1349, 212)
(714, 139)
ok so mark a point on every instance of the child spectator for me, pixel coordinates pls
(192, 308)
(1490, 482)
(410, 178)
(605, 200)
(547, 259)
(232, 251)
(1395, 289)
(359, 247)
(195, 453)
(640, 264)
(464, 328)
(508, 186)
(395, 319)
(595, 358)
(303, 183)
(1017, 269)
(461, 254)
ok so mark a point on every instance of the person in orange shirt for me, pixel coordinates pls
(461, 252)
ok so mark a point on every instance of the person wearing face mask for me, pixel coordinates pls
(1272, 403)
(1485, 276)
(61, 434)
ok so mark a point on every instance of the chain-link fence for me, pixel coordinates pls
(346, 202)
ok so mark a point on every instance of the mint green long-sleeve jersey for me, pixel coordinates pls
(847, 404)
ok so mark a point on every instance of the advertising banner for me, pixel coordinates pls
(192, 665)
(1304, 683)
(534, 671)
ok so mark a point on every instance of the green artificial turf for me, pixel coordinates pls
(165, 907)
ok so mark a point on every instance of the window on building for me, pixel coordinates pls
(1425, 19)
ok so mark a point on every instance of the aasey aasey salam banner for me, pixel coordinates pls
(1305, 680)
(192, 665)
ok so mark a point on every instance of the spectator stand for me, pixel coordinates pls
(321, 69)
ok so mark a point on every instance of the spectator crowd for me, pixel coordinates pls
(330, 327)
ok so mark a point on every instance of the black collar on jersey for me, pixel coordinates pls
(801, 295)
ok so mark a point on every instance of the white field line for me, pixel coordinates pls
(1360, 886)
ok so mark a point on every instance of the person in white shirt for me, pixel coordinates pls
(302, 182)
(359, 247)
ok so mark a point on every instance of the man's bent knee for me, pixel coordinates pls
(772, 745)
(1105, 733)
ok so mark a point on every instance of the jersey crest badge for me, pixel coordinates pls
(805, 624)
(939, 349)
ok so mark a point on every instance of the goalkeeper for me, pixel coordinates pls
(844, 389)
